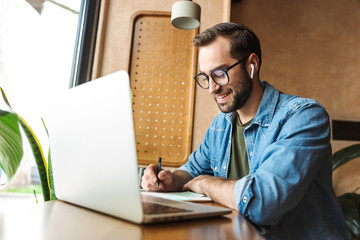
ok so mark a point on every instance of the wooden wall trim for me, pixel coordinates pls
(100, 38)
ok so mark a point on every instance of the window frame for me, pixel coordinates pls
(85, 42)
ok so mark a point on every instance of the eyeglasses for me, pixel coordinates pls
(219, 76)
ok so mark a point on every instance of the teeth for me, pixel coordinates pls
(222, 96)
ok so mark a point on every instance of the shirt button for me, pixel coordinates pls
(215, 168)
(245, 199)
(224, 167)
(251, 154)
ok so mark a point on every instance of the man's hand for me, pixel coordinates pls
(169, 181)
(220, 190)
(198, 184)
(150, 177)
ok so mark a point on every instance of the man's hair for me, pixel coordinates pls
(243, 41)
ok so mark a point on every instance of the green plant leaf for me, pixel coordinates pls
(51, 179)
(39, 158)
(3, 95)
(35, 146)
(345, 155)
(50, 174)
(353, 197)
(11, 149)
(351, 216)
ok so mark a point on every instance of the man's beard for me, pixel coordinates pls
(240, 93)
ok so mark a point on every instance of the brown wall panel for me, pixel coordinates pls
(161, 69)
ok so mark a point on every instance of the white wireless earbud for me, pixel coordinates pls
(252, 71)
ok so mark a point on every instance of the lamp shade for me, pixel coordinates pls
(185, 15)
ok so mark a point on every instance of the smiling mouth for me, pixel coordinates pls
(222, 97)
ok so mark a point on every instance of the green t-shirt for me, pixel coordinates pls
(239, 165)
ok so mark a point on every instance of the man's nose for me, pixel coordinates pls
(213, 87)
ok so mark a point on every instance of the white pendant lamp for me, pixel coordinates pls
(185, 15)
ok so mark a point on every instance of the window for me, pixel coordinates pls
(36, 61)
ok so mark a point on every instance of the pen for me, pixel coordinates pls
(158, 170)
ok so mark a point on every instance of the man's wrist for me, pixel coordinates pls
(180, 178)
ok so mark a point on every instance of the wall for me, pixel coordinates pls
(311, 48)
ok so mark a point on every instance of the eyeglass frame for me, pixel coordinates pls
(225, 70)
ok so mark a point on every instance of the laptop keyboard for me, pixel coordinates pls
(154, 208)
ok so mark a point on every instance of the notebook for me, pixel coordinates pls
(181, 196)
(93, 153)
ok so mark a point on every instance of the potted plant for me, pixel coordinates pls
(349, 202)
(11, 151)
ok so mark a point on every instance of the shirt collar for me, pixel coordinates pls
(267, 106)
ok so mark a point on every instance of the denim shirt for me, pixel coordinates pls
(288, 193)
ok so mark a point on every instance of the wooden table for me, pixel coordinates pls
(59, 220)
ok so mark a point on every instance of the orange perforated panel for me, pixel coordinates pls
(161, 70)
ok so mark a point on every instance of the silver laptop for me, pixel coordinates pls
(94, 159)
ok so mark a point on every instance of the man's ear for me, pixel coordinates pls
(254, 64)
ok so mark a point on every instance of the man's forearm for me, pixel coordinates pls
(220, 190)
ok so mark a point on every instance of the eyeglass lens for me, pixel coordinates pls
(220, 77)
(202, 80)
